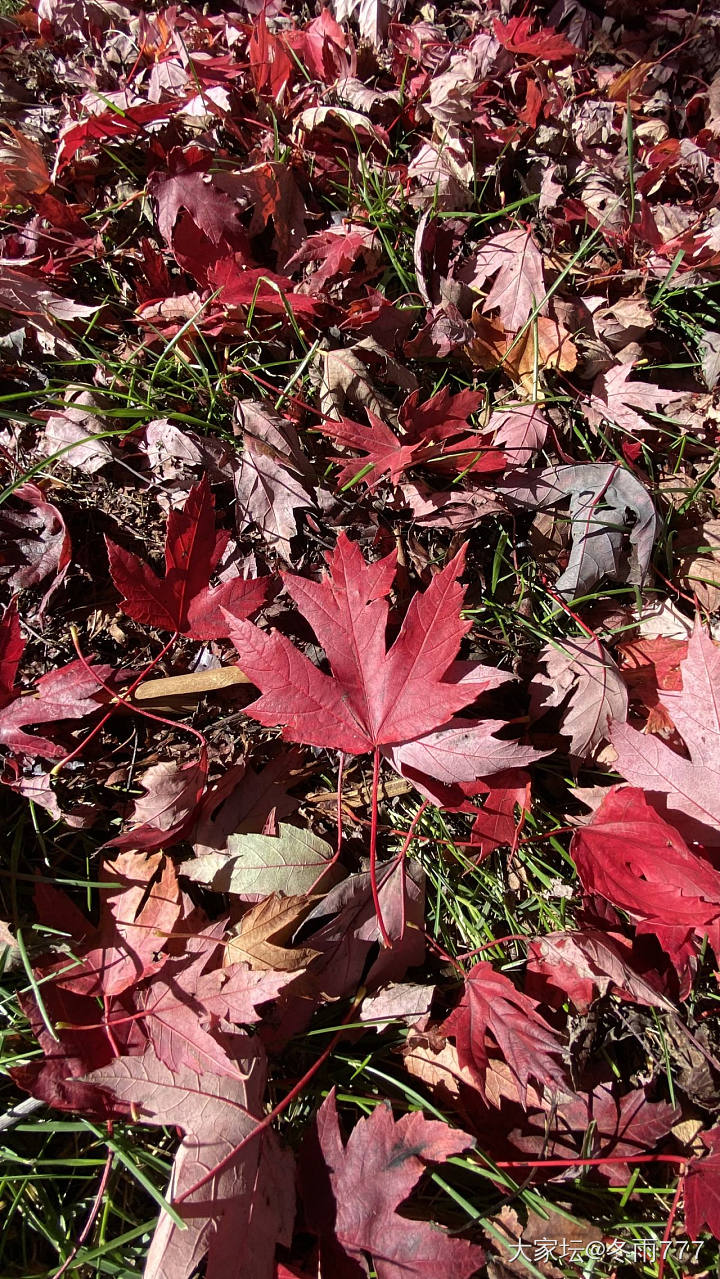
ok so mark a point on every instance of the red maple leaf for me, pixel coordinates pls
(702, 1188)
(546, 44)
(649, 667)
(492, 1004)
(140, 908)
(12, 646)
(184, 1005)
(690, 786)
(73, 692)
(641, 864)
(357, 1188)
(161, 817)
(36, 543)
(617, 399)
(376, 698)
(435, 435)
(242, 1209)
(515, 260)
(183, 599)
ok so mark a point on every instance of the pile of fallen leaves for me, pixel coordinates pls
(395, 328)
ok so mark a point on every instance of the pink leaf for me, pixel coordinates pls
(243, 1210)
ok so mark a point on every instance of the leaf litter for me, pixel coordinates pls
(360, 393)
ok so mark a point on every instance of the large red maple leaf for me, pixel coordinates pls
(384, 701)
(183, 599)
(377, 698)
(627, 854)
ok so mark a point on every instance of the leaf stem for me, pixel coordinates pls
(373, 848)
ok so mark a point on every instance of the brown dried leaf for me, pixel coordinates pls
(259, 939)
(520, 354)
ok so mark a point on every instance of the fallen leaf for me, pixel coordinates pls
(491, 1004)
(399, 1001)
(435, 434)
(36, 542)
(581, 677)
(357, 1188)
(184, 600)
(345, 376)
(70, 693)
(23, 170)
(701, 1189)
(641, 864)
(161, 816)
(292, 862)
(75, 434)
(140, 909)
(12, 647)
(273, 482)
(260, 937)
(710, 357)
(525, 356)
(614, 398)
(245, 1209)
(242, 800)
(585, 965)
(691, 787)
(609, 510)
(519, 431)
(516, 262)
(495, 824)
(375, 698)
(546, 44)
(183, 1005)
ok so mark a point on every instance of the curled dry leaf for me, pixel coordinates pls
(613, 521)
(36, 543)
